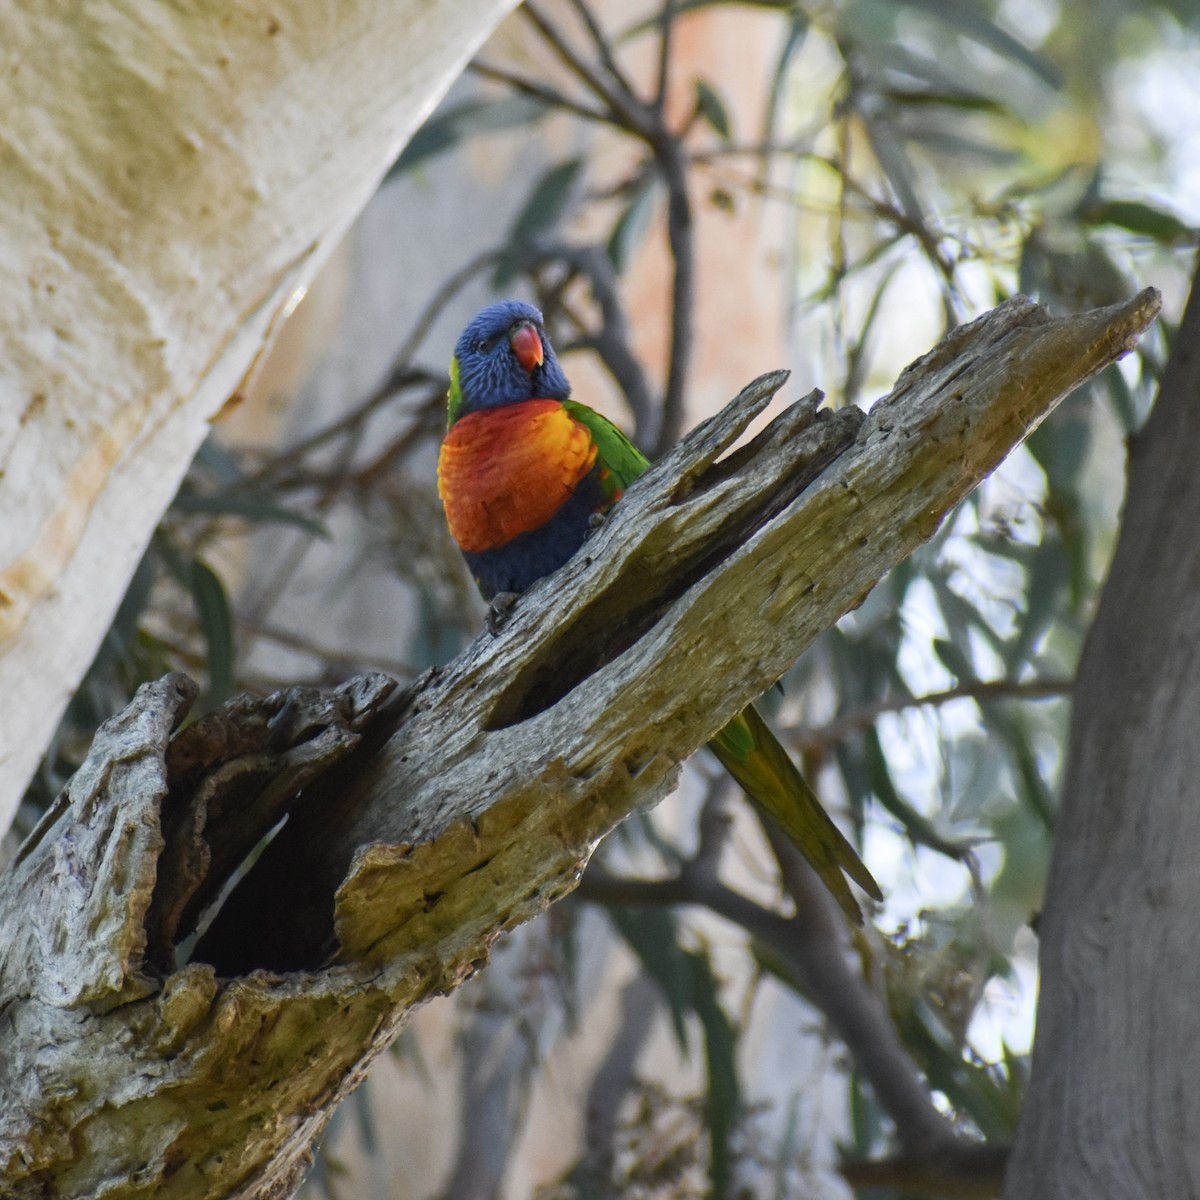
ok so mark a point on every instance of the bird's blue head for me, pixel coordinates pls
(504, 357)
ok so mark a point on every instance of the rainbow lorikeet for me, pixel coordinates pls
(523, 472)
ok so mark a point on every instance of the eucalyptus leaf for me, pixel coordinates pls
(634, 222)
(253, 506)
(723, 1101)
(445, 130)
(917, 828)
(216, 624)
(970, 19)
(711, 108)
(653, 935)
(214, 613)
(1136, 216)
(793, 42)
(542, 211)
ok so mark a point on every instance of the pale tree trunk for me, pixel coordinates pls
(1113, 1109)
(424, 824)
(173, 176)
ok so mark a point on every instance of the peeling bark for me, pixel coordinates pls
(422, 824)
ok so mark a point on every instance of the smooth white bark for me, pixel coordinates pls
(173, 177)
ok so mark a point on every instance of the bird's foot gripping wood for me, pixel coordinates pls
(499, 610)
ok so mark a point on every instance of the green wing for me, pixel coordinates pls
(751, 753)
(617, 454)
(454, 398)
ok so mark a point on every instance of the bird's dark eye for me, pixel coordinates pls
(484, 345)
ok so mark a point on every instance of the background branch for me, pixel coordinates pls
(820, 739)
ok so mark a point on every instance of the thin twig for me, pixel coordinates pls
(666, 23)
(356, 659)
(400, 373)
(282, 470)
(645, 122)
(672, 161)
(833, 733)
(798, 148)
(430, 419)
(612, 342)
(626, 109)
(541, 92)
(603, 47)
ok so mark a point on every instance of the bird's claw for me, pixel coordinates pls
(596, 521)
(499, 610)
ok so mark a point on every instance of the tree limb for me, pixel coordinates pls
(421, 826)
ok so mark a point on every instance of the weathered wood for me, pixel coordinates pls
(431, 821)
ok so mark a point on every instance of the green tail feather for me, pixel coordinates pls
(751, 753)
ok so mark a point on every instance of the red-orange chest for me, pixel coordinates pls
(506, 471)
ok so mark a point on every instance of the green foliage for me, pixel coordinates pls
(690, 988)
(653, 935)
(711, 108)
(721, 1105)
(1138, 217)
(450, 129)
(631, 227)
(545, 208)
(216, 622)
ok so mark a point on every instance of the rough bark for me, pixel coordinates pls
(173, 177)
(1113, 1108)
(422, 825)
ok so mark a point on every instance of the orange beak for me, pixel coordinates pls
(527, 346)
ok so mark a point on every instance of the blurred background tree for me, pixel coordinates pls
(694, 194)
